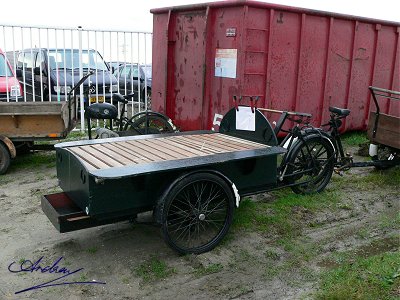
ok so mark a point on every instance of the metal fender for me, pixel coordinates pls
(311, 134)
(9, 144)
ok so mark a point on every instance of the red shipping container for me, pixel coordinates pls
(292, 58)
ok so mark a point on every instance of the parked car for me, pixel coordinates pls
(148, 72)
(49, 74)
(10, 89)
(128, 74)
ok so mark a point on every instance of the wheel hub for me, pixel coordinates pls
(202, 217)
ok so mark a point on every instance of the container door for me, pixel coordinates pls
(186, 53)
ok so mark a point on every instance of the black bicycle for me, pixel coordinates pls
(313, 154)
(146, 122)
(308, 164)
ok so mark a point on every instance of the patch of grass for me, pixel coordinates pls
(354, 138)
(125, 280)
(40, 158)
(76, 135)
(363, 233)
(272, 254)
(210, 269)
(4, 179)
(375, 277)
(389, 222)
(284, 216)
(83, 277)
(91, 250)
(388, 178)
(154, 269)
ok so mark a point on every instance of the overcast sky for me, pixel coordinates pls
(134, 15)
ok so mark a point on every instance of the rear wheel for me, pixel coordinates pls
(151, 124)
(197, 213)
(5, 158)
(310, 165)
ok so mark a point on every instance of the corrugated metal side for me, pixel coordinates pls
(292, 59)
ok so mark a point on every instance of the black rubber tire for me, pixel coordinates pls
(319, 161)
(157, 125)
(5, 158)
(203, 203)
(384, 152)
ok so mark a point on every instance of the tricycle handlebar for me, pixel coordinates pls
(291, 113)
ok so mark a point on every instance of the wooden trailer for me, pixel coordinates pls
(22, 122)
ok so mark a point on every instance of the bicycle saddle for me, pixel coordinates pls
(339, 111)
(119, 98)
(101, 111)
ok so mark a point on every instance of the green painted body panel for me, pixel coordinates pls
(125, 191)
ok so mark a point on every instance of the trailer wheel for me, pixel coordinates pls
(310, 165)
(197, 213)
(5, 159)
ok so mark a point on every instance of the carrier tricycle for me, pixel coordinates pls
(192, 181)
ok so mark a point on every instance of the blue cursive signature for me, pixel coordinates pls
(29, 266)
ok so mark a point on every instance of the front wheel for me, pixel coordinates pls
(310, 165)
(197, 213)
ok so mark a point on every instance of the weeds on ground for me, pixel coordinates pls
(378, 178)
(283, 216)
(210, 269)
(153, 269)
(375, 277)
(36, 159)
(354, 138)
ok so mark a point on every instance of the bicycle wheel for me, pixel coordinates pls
(197, 213)
(310, 165)
(155, 124)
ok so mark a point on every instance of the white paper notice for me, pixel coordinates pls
(225, 63)
(245, 119)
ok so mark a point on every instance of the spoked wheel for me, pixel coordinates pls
(310, 165)
(155, 124)
(197, 213)
(5, 159)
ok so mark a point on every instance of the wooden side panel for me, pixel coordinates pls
(23, 126)
(388, 130)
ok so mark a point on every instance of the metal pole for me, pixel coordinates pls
(80, 76)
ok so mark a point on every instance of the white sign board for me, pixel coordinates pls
(225, 63)
(245, 119)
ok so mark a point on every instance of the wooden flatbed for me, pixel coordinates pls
(128, 152)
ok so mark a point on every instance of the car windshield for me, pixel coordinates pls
(4, 67)
(69, 59)
(127, 70)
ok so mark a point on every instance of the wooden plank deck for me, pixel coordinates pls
(133, 152)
